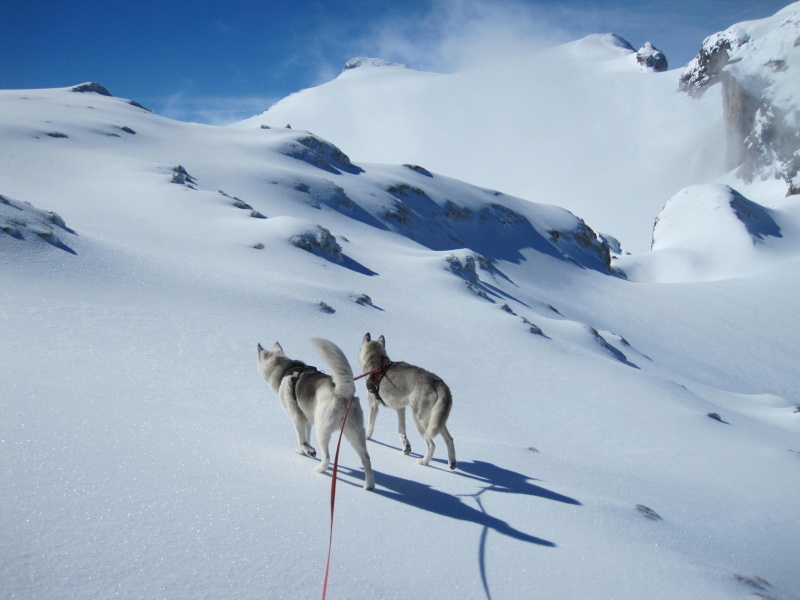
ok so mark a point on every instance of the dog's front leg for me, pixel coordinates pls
(401, 427)
(373, 414)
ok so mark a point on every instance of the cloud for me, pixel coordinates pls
(212, 110)
(455, 35)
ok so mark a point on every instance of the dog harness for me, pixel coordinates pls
(374, 380)
(296, 371)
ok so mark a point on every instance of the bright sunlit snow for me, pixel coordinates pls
(626, 425)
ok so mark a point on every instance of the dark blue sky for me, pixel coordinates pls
(220, 61)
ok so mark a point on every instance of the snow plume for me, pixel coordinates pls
(464, 34)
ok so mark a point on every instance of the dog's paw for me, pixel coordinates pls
(452, 466)
(321, 468)
(422, 462)
(307, 450)
(369, 487)
(407, 449)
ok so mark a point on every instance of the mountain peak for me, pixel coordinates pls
(652, 58)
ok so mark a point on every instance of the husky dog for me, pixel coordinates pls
(397, 385)
(313, 398)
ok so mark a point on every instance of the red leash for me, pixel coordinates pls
(375, 370)
(333, 496)
(333, 483)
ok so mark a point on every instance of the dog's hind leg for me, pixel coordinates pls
(401, 427)
(303, 429)
(425, 460)
(324, 432)
(354, 432)
(451, 447)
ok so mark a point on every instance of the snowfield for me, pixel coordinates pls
(626, 425)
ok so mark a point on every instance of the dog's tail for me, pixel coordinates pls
(440, 410)
(341, 372)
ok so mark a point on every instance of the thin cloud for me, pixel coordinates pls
(212, 110)
(462, 34)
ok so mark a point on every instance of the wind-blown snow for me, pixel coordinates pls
(581, 125)
(143, 457)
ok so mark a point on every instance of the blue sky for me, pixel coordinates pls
(216, 62)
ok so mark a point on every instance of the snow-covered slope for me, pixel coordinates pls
(615, 438)
(582, 125)
(713, 232)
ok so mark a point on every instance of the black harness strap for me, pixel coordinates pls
(374, 380)
(296, 371)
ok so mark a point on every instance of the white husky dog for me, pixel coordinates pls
(310, 397)
(398, 385)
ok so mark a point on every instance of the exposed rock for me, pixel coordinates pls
(320, 153)
(137, 105)
(319, 241)
(182, 177)
(23, 222)
(418, 169)
(754, 62)
(91, 87)
(652, 58)
(705, 69)
(648, 513)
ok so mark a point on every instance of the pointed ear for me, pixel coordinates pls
(260, 349)
(382, 342)
(367, 338)
(277, 348)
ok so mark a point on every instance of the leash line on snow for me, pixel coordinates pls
(333, 496)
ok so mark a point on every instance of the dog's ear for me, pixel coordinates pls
(277, 348)
(260, 349)
(382, 342)
(367, 338)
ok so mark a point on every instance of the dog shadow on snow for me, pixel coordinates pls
(488, 476)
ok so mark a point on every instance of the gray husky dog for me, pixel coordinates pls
(398, 385)
(310, 397)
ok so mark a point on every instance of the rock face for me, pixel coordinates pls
(91, 87)
(652, 58)
(757, 63)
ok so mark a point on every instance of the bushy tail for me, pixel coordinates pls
(337, 362)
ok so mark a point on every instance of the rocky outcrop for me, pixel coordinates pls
(91, 87)
(757, 65)
(705, 69)
(319, 153)
(652, 58)
(23, 223)
(320, 241)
